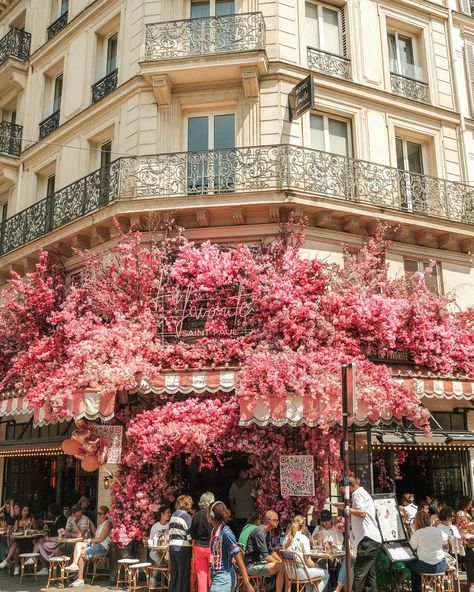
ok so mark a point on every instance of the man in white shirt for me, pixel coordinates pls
(366, 535)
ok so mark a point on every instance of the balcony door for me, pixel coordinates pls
(411, 180)
(210, 141)
(207, 36)
(323, 28)
(402, 53)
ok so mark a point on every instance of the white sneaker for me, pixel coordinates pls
(16, 571)
(3, 564)
(72, 567)
(77, 583)
(43, 572)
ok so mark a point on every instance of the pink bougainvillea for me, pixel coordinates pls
(287, 323)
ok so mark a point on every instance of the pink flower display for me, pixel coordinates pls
(157, 303)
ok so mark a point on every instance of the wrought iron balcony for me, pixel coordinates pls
(104, 86)
(277, 168)
(48, 125)
(410, 88)
(58, 25)
(205, 36)
(15, 44)
(10, 138)
(329, 63)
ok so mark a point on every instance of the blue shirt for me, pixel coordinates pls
(223, 547)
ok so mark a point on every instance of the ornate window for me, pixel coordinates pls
(406, 73)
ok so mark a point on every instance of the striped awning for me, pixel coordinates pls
(88, 404)
(439, 388)
(208, 380)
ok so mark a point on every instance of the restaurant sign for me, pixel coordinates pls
(301, 98)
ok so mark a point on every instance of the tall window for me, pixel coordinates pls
(324, 28)
(111, 63)
(106, 155)
(330, 134)
(433, 282)
(210, 172)
(57, 93)
(402, 53)
(50, 184)
(4, 211)
(204, 8)
(63, 7)
(411, 179)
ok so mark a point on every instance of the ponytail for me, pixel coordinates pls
(296, 526)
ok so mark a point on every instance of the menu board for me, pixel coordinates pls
(400, 551)
(389, 519)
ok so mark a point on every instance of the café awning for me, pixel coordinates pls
(207, 380)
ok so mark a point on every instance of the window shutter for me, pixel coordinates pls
(345, 45)
(470, 68)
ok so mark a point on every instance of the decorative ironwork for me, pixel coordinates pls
(261, 168)
(329, 63)
(58, 25)
(10, 138)
(410, 88)
(205, 36)
(15, 44)
(48, 125)
(104, 86)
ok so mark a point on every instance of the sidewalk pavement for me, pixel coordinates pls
(12, 584)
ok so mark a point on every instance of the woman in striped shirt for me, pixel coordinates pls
(180, 545)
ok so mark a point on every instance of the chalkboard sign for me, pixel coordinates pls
(389, 519)
(301, 98)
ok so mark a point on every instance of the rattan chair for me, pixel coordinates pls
(291, 562)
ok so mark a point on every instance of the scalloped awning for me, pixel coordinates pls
(439, 388)
(209, 380)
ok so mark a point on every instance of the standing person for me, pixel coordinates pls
(298, 542)
(180, 545)
(429, 542)
(224, 550)
(366, 536)
(241, 500)
(260, 556)
(200, 532)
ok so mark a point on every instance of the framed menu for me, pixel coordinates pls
(388, 517)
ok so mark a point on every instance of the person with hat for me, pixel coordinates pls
(200, 532)
(78, 525)
(326, 532)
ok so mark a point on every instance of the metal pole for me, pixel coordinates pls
(347, 375)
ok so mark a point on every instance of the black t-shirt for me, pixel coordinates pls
(200, 529)
(259, 545)
(60, 522)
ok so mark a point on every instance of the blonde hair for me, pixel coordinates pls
(184, 502)
(299, 522)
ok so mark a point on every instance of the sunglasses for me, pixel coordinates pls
(101, 513)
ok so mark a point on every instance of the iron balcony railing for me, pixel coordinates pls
(10, 138)
(104, 86)
(58, 25)
(260, 168)
(48, 125)
(329, 63)
(15, 44)
(410, 88)
(205, 36)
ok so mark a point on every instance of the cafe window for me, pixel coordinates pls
(433, 282)
(330, 134)
(451, 422)
(325, 28)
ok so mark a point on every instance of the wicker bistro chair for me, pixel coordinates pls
(291, 562)
(434, 582)
(93, 564)
(258, 582)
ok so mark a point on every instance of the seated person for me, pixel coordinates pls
(93, 547)
(78, 525)
(45, 547)
(298, 542)
(23, 522)
(260, 557)
(253, 521)
(327, 533)
(157, 530)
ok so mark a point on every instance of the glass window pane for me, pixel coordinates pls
(224, 7)
(224, 131)
(312, 35)
(317, 132)
(111, 53)
(331, 31)
(392, 52)
(407, 59)
(198, 133)
(400, 154)
(200, 8)
(457, 422)
(415, 160)
(338, 143)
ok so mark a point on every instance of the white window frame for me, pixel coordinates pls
(210, 115)
(405, 154)
(212, 7)
(106, 52)
(319, 8)
(326, 117)
(416, 54)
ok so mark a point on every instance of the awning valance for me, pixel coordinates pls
(210, 380)
(440, 388)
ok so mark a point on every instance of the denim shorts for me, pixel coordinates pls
(223, 581)
(95, 550)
